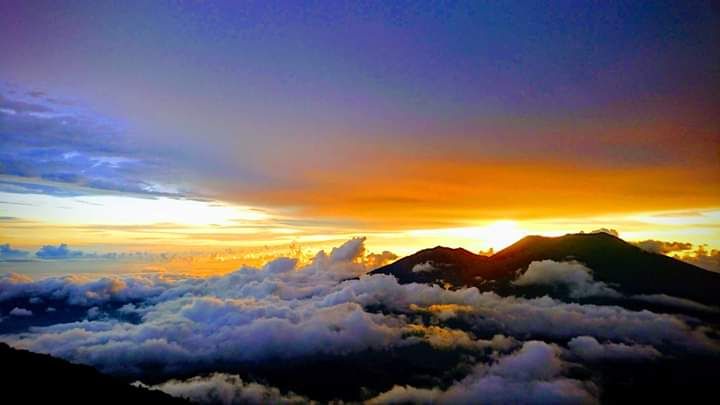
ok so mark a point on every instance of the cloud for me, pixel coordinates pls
(533, 374)
(277, 311)
(543, 317)
(226, 389)
(20, 107)
(443, 311)
(81, 291)
(63, 252)
(588, 348)
(424, 267)
(31, 187)
(608, 231)
(94, 313)
(281, 311)
(375, 260)
(45, 141)
(20, 312)
(7, 253)
(59, 252)
(661, 247)
(219, 388)
(671, 301)
(702, 257)
(408, 395)
(573, 275)
(579, 281)
(348, 251)
(284, 311)
(447, 338)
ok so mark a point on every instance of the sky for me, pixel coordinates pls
(204, 135)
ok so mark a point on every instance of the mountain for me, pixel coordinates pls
(38, 378)
(622, 265)
(454, 266)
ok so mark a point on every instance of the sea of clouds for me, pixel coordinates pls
(522, 349)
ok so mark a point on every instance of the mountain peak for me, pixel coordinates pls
(449, 250)
(596, 239)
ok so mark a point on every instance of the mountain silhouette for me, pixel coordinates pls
(39, 378)
(624, 266)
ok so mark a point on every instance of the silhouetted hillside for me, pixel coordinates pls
(34, 378)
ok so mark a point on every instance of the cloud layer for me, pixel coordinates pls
(516, 349)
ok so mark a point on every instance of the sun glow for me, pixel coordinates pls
(500, 234)
(496, 235)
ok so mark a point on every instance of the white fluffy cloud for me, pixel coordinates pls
(573, 275)
(533, 374)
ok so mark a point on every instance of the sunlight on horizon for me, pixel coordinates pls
(495, 235)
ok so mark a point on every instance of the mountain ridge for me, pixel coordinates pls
(613, 261)
(66, 382)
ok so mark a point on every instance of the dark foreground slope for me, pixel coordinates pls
(625, 266)
(32, 378)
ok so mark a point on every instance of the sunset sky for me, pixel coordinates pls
(204, 135)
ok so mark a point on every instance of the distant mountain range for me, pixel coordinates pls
(624, 266)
